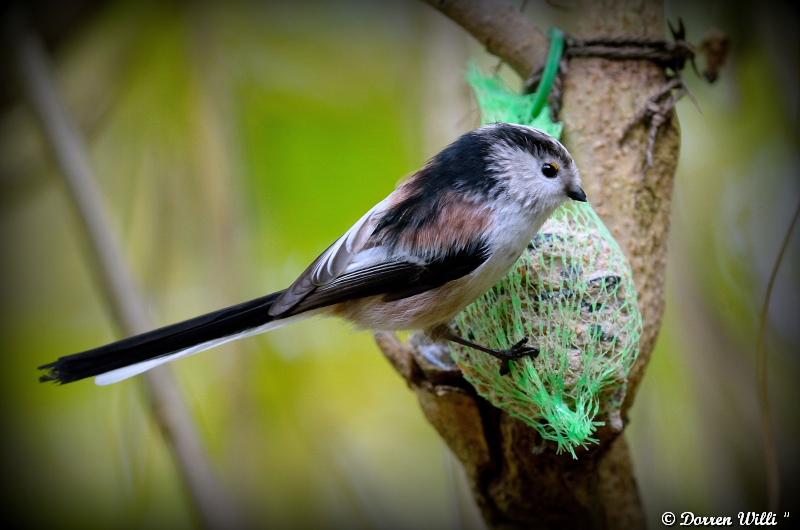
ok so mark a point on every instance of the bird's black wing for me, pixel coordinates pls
(395, 279)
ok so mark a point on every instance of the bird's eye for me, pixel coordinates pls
(550, 170)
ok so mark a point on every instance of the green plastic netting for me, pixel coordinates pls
(572, 294)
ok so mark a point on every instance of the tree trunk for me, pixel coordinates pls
(517, 480)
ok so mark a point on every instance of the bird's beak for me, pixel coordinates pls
(577, 194)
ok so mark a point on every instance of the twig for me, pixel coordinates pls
(111, 271)
(655, 113)
(770, 452)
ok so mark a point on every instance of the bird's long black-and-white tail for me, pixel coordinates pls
(132, 356)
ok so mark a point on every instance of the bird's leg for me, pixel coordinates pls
(517, 351)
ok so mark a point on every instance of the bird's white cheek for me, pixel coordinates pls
(558, 191)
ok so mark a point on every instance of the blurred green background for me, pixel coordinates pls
(234, 142)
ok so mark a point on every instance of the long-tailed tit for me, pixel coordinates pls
(441, 239)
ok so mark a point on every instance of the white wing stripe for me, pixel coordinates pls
(337, 258)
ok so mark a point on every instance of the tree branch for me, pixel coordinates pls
(112, 272)
(517, 479)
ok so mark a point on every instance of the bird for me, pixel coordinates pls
(442, 238)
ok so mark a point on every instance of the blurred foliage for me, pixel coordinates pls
(233, 144)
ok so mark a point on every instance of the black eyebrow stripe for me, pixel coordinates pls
(536, 143)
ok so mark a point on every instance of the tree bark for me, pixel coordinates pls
(518, 481)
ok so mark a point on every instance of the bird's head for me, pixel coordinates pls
(537, 169)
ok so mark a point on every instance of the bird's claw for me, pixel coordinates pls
(517, 351)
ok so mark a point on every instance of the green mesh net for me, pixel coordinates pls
(572, 294)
